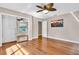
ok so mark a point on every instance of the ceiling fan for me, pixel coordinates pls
(46, 8)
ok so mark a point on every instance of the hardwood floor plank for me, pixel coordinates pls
(41, 46)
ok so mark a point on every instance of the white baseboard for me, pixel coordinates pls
(62, 39)
(9, 41)
(44, 36)
(34, 37)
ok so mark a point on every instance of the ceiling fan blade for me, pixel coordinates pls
(50, 4)
(52, 9)
(39, 10)
(45, 7)
(39, 7)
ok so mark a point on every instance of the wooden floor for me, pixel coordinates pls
(40, 47)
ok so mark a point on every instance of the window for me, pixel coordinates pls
(22, 26)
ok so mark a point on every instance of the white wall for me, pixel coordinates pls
(70, 31)
(30, 28)
(44, 28)
(0, 30)
(35, 27)
(9, 28)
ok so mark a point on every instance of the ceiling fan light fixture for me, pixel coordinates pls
(45, 11)
(46, 8)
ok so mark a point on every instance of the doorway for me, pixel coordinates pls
(39, 30)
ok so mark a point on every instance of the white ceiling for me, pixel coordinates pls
(30, 8)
